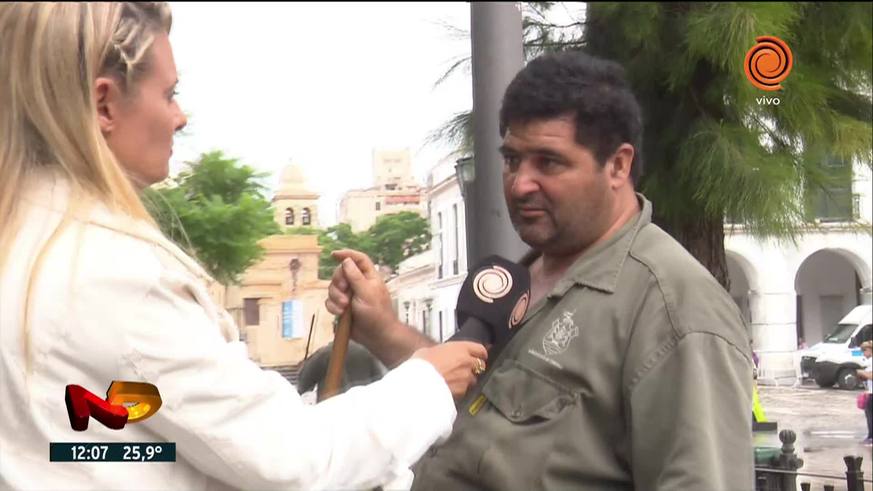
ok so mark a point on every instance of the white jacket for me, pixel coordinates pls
(116, 301)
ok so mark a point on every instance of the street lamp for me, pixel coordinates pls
(294, 265)
(465, 171)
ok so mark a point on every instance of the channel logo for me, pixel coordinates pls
(768, 63)
(126, 402)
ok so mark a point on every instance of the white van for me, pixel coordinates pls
(835, 360)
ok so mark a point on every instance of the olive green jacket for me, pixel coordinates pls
(635, 372)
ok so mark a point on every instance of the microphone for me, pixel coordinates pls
(492, 301)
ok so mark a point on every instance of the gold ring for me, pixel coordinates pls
(479, 367)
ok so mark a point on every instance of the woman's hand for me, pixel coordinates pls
(459, 362)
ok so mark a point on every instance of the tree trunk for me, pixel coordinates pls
(704, 238)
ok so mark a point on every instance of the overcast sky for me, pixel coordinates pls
(319, 84)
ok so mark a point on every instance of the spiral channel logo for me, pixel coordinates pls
(768, 63)
(491, 283)
(519, 310)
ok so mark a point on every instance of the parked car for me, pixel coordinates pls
(836, 359)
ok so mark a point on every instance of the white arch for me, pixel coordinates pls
(746, 266)
(862, 269)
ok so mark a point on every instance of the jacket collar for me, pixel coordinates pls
(599, 267)
(51, 190)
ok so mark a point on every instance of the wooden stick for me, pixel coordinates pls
(337, 356)
(309, 342)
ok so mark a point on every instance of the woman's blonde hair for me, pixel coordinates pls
(51, 55)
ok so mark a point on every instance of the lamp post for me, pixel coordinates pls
(497, 55)
(294, 267)
(465, 172)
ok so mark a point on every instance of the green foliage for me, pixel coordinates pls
(397, 236)
(339, 236)
(302, 231)
(711, 150)
(389, 241)
(215, 210)
(540, 35)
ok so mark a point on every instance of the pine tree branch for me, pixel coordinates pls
(552, 44)
(776, 138)
(548, 25)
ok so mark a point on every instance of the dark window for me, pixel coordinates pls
(833, 202)
(457, 239)
(841, 334)
(305, 217)
(440, 244)
(378, 206)
(252, 314)
(289, 216)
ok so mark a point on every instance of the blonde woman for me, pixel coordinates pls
(91, 292)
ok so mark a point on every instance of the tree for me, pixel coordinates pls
(711, 149)
(389, 241)
(398, 236)
(540, 35)
(216, 211)
(339, 236)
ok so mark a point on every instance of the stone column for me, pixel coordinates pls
(774, 331)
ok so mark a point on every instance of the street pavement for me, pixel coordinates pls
(828, 426)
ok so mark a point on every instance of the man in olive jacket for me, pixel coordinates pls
(632, 369)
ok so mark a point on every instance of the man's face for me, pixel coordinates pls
(558, 195)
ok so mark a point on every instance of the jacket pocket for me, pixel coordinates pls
(521, 393)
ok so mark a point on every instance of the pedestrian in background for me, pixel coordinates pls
(866, 374)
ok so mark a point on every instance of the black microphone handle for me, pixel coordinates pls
(474, 330)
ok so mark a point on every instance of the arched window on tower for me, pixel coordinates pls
(305, 218)
(289, 216)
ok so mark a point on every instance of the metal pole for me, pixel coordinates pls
(496, 36)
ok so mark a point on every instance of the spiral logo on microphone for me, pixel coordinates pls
(492, 283)
(768, 63)
(519, 310)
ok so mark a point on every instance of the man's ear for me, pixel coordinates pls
(107, 96)
(620, 165)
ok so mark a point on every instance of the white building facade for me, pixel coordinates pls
(410, 294)
(449, 242)
(425, 289)
(794, 294)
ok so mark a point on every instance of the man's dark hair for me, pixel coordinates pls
(606, 112)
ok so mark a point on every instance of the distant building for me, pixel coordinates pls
(294, 205)
(394, 190)
(278, 298)
(425, 294)
(411, 295)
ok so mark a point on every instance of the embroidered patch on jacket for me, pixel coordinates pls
(559, 336)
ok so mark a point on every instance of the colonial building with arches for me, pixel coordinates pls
(793, 294)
